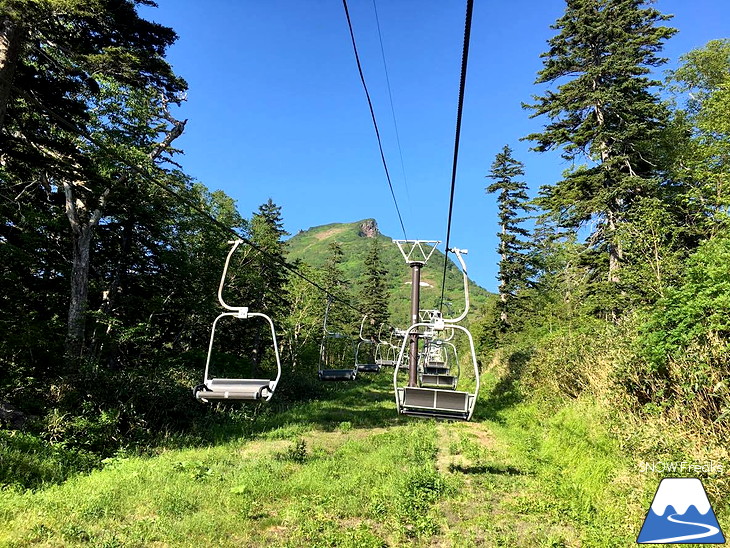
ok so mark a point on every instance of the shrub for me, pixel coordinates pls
(698, 312)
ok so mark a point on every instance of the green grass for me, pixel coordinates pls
(347, 471)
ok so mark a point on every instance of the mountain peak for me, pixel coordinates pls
(369, 228)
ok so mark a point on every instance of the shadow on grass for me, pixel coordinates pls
(505, 393)
(366, 402)
(487, 469)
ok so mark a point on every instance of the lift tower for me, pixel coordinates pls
(416, 254)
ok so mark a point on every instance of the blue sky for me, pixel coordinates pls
(276, 109)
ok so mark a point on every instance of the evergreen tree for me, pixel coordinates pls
(266, 230)
(264, 276)
(603, 112)
(333, 277)
(69, 69)
(514, 267)
(373, 293)
(341, 317)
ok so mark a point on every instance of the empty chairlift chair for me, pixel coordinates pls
(441, 368)
(237, 388)
(365, 353)
(438, 402)
(336, 355)
(385, 352)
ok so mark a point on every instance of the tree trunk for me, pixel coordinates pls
(11, 39)
(83, 222)
(79, 292)
(82, 229)
(615, 254)
(614, 249)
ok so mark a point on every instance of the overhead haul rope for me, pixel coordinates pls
(141, 172)
(372, 115)
(392, 108)
(462, 83)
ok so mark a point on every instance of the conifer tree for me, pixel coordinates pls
(73, 68)
(604, 113)
(514, 267)
(265, 277)
(267, 232)
(340, 316)
(373, 293)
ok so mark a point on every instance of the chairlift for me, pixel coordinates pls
(382, 350)
(438, 402)
(440, 369)
(365, 353)
(386, 353)
(337, 349)
(236, 388)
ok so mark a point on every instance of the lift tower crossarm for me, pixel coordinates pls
(417, 251)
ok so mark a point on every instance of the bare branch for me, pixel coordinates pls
(96, 215)
(71, 212)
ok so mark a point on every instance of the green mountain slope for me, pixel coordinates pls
(312, 247)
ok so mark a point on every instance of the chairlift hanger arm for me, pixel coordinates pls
(362, 324)
(459, 253)
(235, 244)
(326, 315)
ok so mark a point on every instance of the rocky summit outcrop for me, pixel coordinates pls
(369, 228)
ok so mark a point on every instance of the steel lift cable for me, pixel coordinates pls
(462, 84)
(372, 115)
(392, 109)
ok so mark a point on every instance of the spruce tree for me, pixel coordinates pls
(512, 200)
(373, 293)
(604, 113)
(340, 316)
(266, 229)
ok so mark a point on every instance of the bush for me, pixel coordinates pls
(570, 360)
(698, 312)
(684, 344)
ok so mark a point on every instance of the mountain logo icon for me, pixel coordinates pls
(680, 514)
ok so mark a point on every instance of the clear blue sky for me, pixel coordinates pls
(276, 109)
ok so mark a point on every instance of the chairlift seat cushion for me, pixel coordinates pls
(432, 402)
(435, 369)
(234, 389)
(387, 363)
(368, 367)
(337, 374)
(438, 381)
